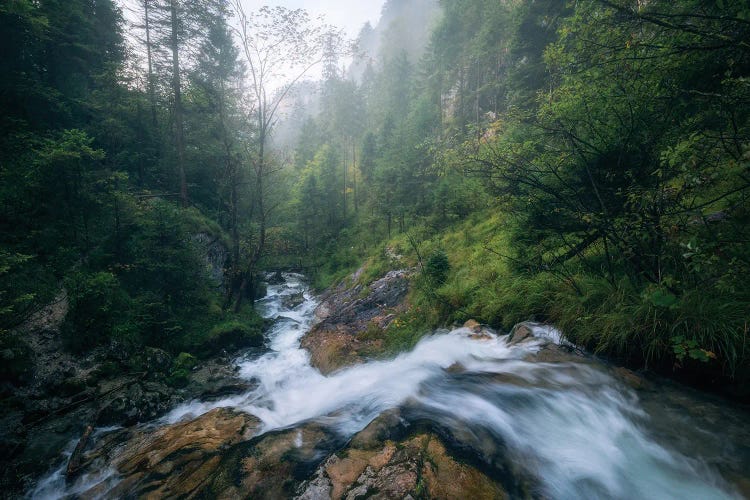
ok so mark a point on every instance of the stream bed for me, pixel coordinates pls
(569, 424)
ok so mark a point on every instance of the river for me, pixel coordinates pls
(573, 426)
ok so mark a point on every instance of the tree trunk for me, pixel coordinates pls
(354, 174)
(346, 169)
(151, 90)
(177, 93)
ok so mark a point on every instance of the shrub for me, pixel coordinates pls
(437, 267)
(95, 300)
(180, 374)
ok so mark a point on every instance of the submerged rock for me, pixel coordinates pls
(292, 301)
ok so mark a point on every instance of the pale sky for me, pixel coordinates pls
(347, 14)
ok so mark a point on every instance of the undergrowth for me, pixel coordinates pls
(699, 332)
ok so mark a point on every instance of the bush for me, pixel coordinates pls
(181, 367)
(95, 301)
(437, 267)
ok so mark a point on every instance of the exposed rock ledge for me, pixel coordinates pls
(347, 317)
(218, 456)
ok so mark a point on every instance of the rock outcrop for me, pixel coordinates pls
(381, 465)
(216, 455)
(173, 461)
(351, 318)
(215, 254)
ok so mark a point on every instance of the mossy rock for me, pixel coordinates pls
(230, 336)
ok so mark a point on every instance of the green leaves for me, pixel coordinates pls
(689, 349)
(662, 299)
(437, 267)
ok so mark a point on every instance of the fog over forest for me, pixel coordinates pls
(401, 249)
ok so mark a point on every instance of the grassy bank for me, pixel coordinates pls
(466, 271)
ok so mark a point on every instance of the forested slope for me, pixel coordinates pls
(585, 164)
(116, 161)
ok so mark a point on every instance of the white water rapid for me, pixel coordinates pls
(572, 426)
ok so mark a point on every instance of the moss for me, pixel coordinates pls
(197, 222)
(232, 334)
(179, 378)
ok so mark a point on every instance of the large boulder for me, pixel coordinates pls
(352, 317)
(173, 461)
(386, 461)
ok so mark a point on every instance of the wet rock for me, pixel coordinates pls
(554, 353)
(216, 455)
(414, 467)
(388, 426)
(332, 349)
(520, 333)
(292, 301)
(175, 460)
(275, 279)
(473, 325)
(216, 379)
(631, 378)
(272, 466)
(393, 459)
(448, 479)
(351, 320)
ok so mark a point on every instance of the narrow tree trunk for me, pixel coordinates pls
(151, 90)
(177, 91)
(346, 169)
(354, 176)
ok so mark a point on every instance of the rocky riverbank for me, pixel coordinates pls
(63, 394)
(467, 414)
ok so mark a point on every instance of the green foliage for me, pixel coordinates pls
(181, 367)
(684, 348)
(233, 334)
(437, 267)
(405, 331)
(96, 300)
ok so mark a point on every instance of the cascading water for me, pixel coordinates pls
(571, 425)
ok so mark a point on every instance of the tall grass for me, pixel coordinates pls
(702, 330)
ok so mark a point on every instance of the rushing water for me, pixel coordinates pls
(572, 426)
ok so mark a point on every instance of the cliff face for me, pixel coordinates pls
(216, 255)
